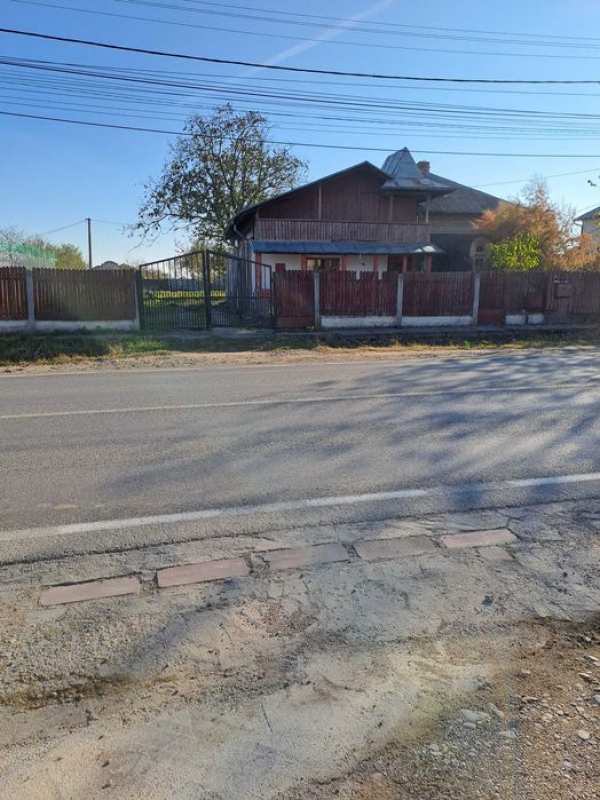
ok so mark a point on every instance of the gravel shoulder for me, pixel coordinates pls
(468, 673)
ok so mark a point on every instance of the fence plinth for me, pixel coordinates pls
(476, 295)
(317, 291)
(30, 299)
(399, 299)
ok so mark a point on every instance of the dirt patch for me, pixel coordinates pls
(532, 734)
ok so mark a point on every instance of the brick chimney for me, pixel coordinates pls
(424, 167)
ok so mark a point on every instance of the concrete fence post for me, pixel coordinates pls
(399, 299)
(30, 299)
(317, 298)
(476, 293)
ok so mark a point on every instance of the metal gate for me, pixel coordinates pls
(206, 288)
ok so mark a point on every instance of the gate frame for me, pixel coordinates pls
(256, 291)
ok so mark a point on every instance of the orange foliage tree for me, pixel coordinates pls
(551, 226)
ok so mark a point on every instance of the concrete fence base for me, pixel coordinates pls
(357, 322)
(434, 322)
(50, 326)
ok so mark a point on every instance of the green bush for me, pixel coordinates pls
(521, 253)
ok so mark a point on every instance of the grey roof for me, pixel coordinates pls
(343, 248)
(404, 175)
(462, 199)
(593, 214)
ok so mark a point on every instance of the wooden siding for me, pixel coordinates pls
(355, 196)
(13, 298)
(299, 230)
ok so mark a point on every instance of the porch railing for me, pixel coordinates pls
(317, 230)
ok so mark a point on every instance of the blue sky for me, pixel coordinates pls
(54, 174)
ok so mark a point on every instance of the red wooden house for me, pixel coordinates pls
(363, 219)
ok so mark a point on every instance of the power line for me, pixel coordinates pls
(322, 122)
(262, 34)
(389, 29)
(112, 222)
(387, 25)
(63, 228)
(319, 145)
(288, 80)
(545, 177)
(281, 67)
(322, 99)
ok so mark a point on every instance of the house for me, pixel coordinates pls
(362, 218)
(590, 223)
(107, 265)
(453, 217)
(365, 218)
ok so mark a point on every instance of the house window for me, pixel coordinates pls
(322, 264)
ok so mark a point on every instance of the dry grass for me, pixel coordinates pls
(144, 350)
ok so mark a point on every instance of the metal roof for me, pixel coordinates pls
(404, 175)
(593, 214)
(343, 248)
(462, 199)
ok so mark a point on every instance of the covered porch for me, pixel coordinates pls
(345, 256)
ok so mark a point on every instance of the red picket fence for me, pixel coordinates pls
(345, 294)
(13, 295)
(560, 296)
(437, 294)
(103, 295)
(554, 293)
(294, 299)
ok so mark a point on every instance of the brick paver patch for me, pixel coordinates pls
(379, 549)
(298, 557)
(91, 590)
(495, 553)
(203, 572)
(479, 539)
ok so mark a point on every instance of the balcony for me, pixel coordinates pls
(299, 230)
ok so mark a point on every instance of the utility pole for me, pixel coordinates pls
(89, 231)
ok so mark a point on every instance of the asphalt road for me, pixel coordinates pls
(84, 448)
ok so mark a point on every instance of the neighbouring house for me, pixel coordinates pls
(453, 219)
(590, 223)
(399, 217)
(107, 265)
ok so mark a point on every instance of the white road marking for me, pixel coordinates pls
(291, 505)
(276, 401)
(211, 513)
(556, 480)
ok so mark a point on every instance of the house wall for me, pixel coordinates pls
(453, 223)
(354, 196)
(357, 263)
(591, 228)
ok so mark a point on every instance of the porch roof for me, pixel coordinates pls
(344, 248)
